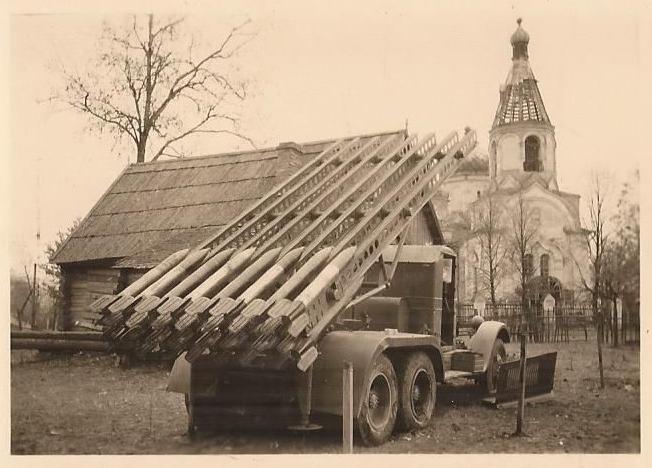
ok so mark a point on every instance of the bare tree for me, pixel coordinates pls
(152, 87)
(524, 230)
(490, 234)
(621, 260)
(596, 243)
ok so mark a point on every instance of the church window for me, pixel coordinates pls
(545, 265)
(532, 161)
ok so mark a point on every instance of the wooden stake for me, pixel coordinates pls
(521, 380)
(347, 408)
(34, 299)
(599, 333)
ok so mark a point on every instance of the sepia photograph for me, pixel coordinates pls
(284, 227)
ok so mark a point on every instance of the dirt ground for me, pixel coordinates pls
(84, 405)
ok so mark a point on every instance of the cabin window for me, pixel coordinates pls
(545, 264)
(532, 161)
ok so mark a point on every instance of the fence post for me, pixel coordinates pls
(347, 408)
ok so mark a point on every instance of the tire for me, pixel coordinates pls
(379, 406)
(417, 392)
(498, 355)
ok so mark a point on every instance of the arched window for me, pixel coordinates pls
(545, 264)
(494, 158)
(528, 265)
(532, 161)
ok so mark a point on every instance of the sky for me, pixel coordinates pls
(322, 70)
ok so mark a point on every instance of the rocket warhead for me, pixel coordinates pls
(326, 276)
(155, 273)
(315, 262)
(202, 273)
(216, 281)
(250, 273)
(269, 277)
(176, 274)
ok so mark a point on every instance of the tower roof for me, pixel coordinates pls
(520, 99)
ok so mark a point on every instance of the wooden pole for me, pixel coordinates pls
(347, 408)
(34, 298)
(600, 336)
(614, 318)
(49, 344)
(521, 381)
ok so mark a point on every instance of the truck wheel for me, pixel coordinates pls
(498, 355)
(418, 392)
(380, 403)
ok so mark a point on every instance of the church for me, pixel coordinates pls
(520, 170)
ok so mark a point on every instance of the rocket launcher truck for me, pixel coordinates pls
(264, 314)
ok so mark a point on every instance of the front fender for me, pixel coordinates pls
(483, 340)
(179, 379)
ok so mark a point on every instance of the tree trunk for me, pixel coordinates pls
(140, 156)
(598, 317)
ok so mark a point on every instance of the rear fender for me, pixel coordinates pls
(179, 379)
(360, 348)
(483, 340)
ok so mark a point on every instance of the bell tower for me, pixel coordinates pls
(522, 139)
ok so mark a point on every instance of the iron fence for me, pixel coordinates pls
(563, 323)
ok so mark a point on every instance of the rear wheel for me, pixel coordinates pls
(380, 403)
(417, 392)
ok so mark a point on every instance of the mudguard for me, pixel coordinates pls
(179, 379)
(483, 340)
(360, 348)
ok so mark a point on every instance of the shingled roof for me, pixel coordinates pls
(156, 208)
